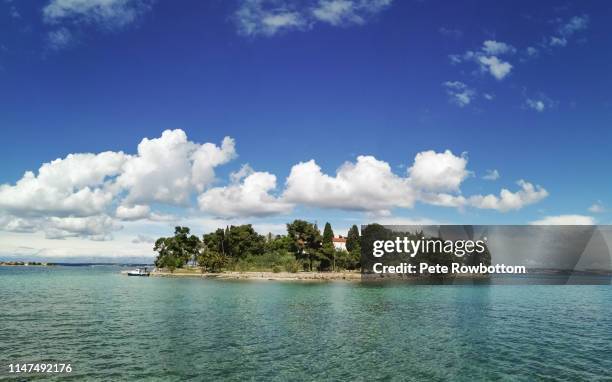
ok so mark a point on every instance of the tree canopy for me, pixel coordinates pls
(178, 250)
(306, 241)
(241, 246)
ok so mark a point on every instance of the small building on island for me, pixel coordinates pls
(339, 242)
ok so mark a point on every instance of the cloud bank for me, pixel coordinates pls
(91, 195)
(85, 194)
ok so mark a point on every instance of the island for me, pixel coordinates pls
(303, 253)
(239, 252)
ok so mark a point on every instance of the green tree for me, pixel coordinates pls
(306, 241)
(352, 238)
(243, 241)
(227, 246)
(178, 250)
(328, 251)
(166, 257)
(215, 241)
(278, 243)
(211, 259)
(328, 234)
(187, 244)
(353, 246)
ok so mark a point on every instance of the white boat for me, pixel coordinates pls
(139, 272)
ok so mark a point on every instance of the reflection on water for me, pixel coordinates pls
(115, 327)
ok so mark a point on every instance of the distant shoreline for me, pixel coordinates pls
(25, 264)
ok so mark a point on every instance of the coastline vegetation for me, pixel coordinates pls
(241, 248)
(303, 249)
(24, 263)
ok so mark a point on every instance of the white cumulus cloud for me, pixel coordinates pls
(370, 185)
(488, 58)
(76, 195)
(434, 171)
(565, 220)
(496, 67)
(508, 200)
(88, 195)
(16, 224)
(135, 212)
(91, 227)
(249, 194)
(74, 185)
(169, 168)
(366, 185)
(495, 48)
(597, 207)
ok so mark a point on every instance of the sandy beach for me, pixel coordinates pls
(298, 276)
(275, 276)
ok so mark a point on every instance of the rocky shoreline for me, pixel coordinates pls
(305, 276)
(273, 276)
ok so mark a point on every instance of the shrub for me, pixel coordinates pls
(293, 266)
(268, 261)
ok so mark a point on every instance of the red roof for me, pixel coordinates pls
(339, 240)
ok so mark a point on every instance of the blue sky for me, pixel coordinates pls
(520, 88)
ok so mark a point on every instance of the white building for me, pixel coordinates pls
(339, 243)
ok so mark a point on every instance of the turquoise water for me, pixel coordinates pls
(113, 327)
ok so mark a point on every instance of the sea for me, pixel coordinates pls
(111, 327)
